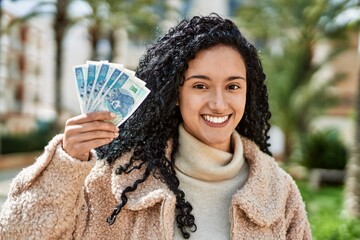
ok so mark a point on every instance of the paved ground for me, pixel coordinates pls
(5, 179)
(10, 166)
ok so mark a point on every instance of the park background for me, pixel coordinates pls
(310, 52)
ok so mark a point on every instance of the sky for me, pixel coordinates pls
(80, 8)
(19, 7)
(22, 7)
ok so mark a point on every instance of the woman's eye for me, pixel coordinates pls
(199, 86)
(233, 87)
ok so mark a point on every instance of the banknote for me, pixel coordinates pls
(135, 79)
(116, 76)
(91, 69)
(80, 77)
(104, 86)
(123, 98)
(98, 83)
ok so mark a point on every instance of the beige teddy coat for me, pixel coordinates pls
(59, 197)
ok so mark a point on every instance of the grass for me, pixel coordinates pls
(325, 207)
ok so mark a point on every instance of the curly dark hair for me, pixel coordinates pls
(148, 131)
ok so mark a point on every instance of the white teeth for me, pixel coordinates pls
(215, 119)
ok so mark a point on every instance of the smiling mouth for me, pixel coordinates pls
(217, 120)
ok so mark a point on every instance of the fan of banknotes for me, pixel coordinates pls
(104, 86)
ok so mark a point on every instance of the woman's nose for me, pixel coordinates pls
(217, 102)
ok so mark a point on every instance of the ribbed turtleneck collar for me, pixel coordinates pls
(198, 160)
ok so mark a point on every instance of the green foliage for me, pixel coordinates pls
(35, 140)
(324, 208)
(323, 149)
(287, 32)
(140, 19)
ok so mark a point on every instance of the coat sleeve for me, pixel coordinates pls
(46, 199)
(298, 227)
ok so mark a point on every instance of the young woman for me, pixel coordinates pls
(193, 161)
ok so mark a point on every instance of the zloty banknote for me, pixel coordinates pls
(95, 85)
(104, 86)
(132, 75)
(123, 98)
(98, 73)
(91, 76)
(81, 77)
(116, 75)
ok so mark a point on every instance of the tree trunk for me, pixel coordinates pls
(61, 23)
(288, 147)
(94, 33)
(112, 41)
(352, 196)
(58, 76)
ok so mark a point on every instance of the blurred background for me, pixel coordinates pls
(311, 56)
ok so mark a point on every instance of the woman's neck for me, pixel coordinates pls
(201, 161)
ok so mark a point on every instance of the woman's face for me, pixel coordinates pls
(212, 98)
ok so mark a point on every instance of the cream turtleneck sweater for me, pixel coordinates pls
(209, 177)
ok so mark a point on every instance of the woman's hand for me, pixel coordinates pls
(88, 131)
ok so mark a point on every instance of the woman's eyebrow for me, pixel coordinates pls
(204, 77)
(198, 76)
(235, 78)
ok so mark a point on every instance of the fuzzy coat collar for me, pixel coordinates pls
(261, 198)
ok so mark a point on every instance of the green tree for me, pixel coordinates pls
(352, 196)
(61, 23)
(140, 19)
(288, 31)
(352, 199)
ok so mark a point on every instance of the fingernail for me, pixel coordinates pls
(112, 115)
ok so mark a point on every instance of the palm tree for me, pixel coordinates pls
(61, 24)
(288, 31)
(137, 14)
(138, 18)
(352, 196)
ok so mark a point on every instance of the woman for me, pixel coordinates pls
(193, 161)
